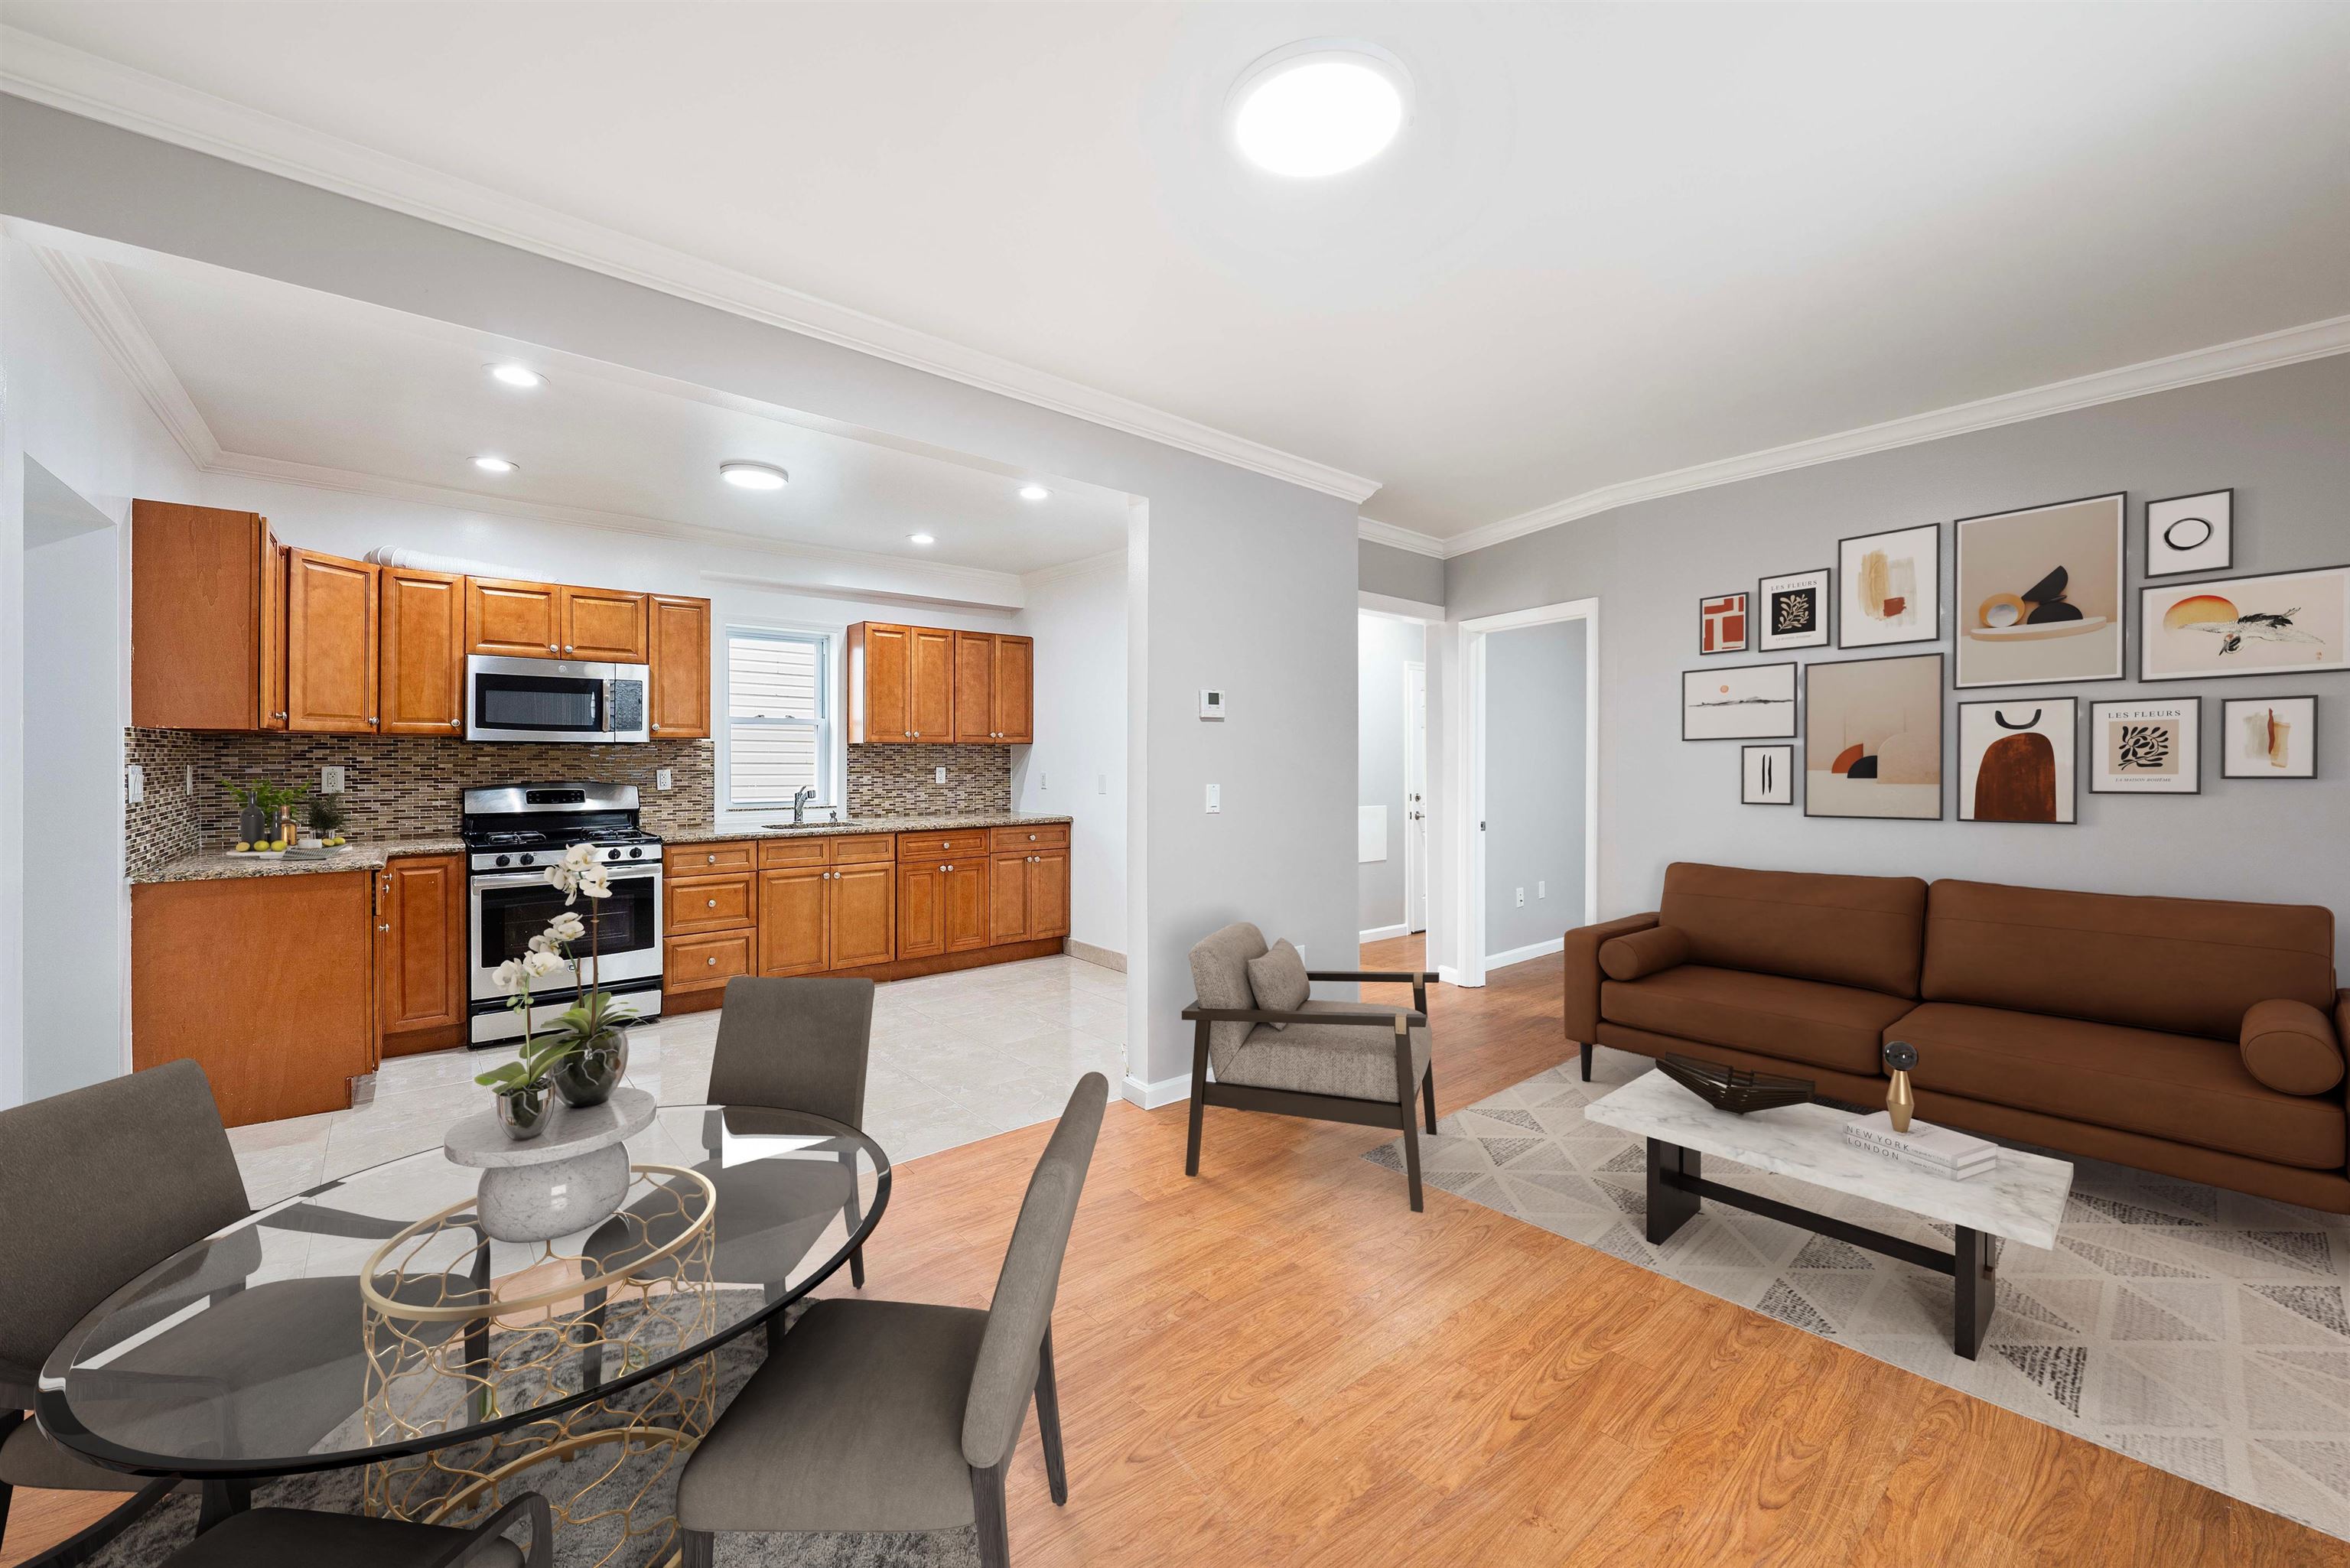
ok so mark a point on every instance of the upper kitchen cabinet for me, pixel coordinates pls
(207, 631)
(330, 643)
(931, 684)
(974, 691)
(603, 624)
(880, 663)
(518, 619)
(422, 663)
(920, 683)
(678, 638)
(1013, 704)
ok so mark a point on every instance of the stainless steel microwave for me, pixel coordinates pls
(554, 700)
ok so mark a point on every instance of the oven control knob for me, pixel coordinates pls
(522, 860)
(502, 859)
(635, 854)
(611, 855)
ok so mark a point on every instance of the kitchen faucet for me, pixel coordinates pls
(800, 798)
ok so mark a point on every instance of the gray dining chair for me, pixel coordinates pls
(298, 1537)
(799, 1044)
(878, 1417)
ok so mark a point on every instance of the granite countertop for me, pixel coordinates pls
(705, 833)
(220, 865)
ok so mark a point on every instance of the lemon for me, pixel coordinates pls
(243, 847)
(276, 844)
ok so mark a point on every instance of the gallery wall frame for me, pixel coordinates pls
(1810, 595)
(1857, 624)
(1718, 615)
(2019, 762)
(2299, 709)
(2021, 580)
(1836, 690)
(1744, 698)
(2260, 624)
(1766, 775)
(2169, 753)
(2189, 534)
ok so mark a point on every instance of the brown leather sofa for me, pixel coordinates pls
(2186, 1036)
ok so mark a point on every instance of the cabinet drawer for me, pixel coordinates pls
(791, 851)
(711, 904)
(706, 964)
(707, 859)
(1044, 836)
(862, 850)
(924, 846)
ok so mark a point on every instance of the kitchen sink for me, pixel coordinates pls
(846, 822)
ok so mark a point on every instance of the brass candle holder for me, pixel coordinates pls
(1901, 1105)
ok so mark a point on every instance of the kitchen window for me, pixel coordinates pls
(779, 724)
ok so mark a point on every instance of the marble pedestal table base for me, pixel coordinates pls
(567, 1179)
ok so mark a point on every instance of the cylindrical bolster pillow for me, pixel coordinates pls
(2288, 1046)
(1643, 952)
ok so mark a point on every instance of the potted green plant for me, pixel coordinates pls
(524, 1086)
(594, 1027)
(327, 819)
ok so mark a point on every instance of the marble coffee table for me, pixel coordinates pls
(2022, 1200)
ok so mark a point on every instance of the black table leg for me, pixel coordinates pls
(1670, 1208)
(220, 1499)
(1976, 1293)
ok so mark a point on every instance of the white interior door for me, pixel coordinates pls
(1415, 797)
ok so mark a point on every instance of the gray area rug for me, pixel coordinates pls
(2203, 1332)
(594, 1545)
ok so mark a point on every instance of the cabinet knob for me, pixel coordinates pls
(713, 962)
(566, 648)
(552, 648)
(279, 714)
(713, 860)
(383, 927)
(655, 727)
(456, 724)
(714, 903)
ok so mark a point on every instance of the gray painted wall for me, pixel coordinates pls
(1280, 636)
(1399, 574)
(2282, 438)
(1387, 646)
(1534, 722)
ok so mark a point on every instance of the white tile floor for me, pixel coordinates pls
(956, 1057)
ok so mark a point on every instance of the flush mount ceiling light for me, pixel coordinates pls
(1034, 493)
(920, 539)
(517, 376)
(754, 475)
(494, 465)
(1319, 108)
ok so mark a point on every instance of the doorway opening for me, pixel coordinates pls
(1391, 773)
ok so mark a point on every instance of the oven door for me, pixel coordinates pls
(554, 700)
(509, 907)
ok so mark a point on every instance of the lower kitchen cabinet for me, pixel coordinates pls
(421, 941)
(706, 964)
(792, 919)
(861, 915)
(1028, 896)
(266, 982)
(942, 907)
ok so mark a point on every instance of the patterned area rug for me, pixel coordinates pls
(2200, 1331)
(598, 1543)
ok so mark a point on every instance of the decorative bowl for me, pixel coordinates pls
(1734, 1088)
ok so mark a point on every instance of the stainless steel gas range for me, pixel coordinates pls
(512, 833)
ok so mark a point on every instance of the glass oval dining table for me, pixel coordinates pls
(370, 1323)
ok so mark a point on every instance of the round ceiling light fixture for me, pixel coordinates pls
(1032, 492)
(516, 376)
(919, 539)
(1319, 108)
(754, 475)
(494, 465)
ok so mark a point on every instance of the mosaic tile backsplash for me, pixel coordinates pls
(902, 780)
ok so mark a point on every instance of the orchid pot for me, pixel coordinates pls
(524, 1109)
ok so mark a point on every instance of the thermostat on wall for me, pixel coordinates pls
(1211, 703)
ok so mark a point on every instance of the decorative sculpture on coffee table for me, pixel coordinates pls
(1734, 1089)
(1901, 1105)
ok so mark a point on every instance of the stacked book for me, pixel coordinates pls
(1936, 1150)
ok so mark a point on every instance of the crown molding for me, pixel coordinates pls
(2267, 351)
(1399, 538)
(47, 72)
(1086, 566)
(98, 300)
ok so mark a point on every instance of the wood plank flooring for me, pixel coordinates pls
(1280, 1362)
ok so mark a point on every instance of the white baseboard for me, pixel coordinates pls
(1150, 1097)
(1381, 933)
(1089, 953)
(1519, 955)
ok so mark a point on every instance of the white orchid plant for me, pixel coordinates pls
(579, 874)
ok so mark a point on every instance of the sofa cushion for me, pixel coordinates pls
(1837, 1026)
(1352, 1061)
(2183, 966)
(2175, 1086)
(1278, 980)
(2290, 1046)
(1840, 930)
(1638, 953)
(1220, 979)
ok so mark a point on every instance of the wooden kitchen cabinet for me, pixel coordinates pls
(698, 964)
(677, 638)
(861, 915)
(1028, 896)
(207, 625)
(603, 624)
(910, 683)
(421, 943)
(975, 692)
(267, 982)
(827, 903)
(709, 903)
(515, 619)
(792, 919)
(330, 644)
(1013, 690)
(421, 658)
(880, 667)
(931, 684)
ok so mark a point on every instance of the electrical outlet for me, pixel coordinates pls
(943, 775)
(1541, 889)
(1522, 898)
(134, 784)
(1044, 782)
(190, 785)
(1216, 799)
(330, 781)
(664, 779)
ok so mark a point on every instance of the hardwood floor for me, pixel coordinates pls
(1279, 1362)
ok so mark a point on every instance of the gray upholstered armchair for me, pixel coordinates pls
(1358, 1062)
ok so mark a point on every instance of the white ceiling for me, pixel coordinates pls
(294, 375)
(1618, 240)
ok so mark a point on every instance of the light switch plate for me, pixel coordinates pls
(662, 779)
(330, 781)
(1541, 889)
(1215, 798)
(135, 783)
(1522, 898)
(1101, 783)
(943, 775)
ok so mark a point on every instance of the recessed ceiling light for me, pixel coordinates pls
(1034, 493)
(494, 465)
(517, 375)
(1319, 108)
(920, 539)
(754, 475)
